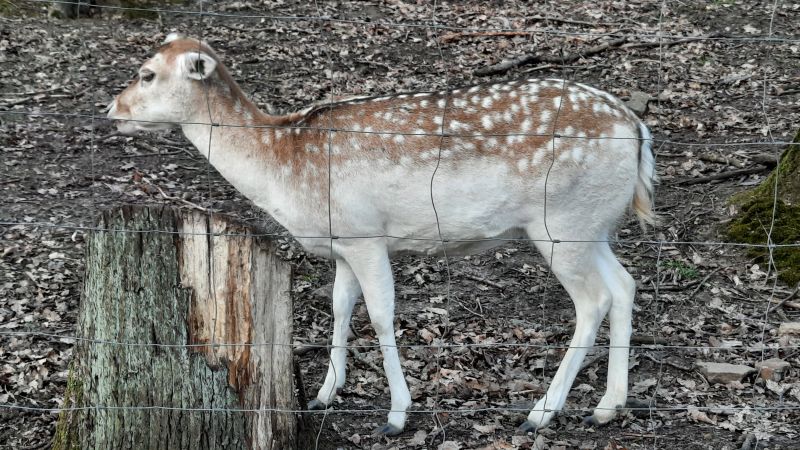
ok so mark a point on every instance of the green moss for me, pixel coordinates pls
(755, 218)
(66, 436)
(682, 269)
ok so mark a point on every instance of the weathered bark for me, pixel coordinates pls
(157, 292)
(759, 206)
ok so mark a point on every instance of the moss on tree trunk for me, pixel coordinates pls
(755, 218)
(156, 292)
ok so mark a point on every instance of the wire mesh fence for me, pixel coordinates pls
(545, 27)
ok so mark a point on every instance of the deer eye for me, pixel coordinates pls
(147, 77)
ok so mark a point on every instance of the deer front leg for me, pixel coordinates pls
(345, 293)
(370, 263)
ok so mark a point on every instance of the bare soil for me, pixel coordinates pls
(698, 300)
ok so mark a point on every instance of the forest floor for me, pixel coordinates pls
(699, 299)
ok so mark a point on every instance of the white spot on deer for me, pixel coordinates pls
(513, 139)
(419, 132)
(496, 96)
(522, 164)
(537, 158)
(457, 126)
(507, 116)
(474, 89)
(545, 116)
(437, 119)
(468, 146)
(399, 138)
(475, 99)
(367, 129)
(577, 154)
(459, 103)
(514, 108)
(266, 138)
(486, 121)
(525, 126)
(311, 148)
(441, 103)
(486, 102)
(388, 116)
(512, 94)
(423, 104)
(557, 102)
(491, 143)
(278, 134)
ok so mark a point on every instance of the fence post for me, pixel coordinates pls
(156, 282)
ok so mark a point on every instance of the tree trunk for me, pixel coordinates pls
(755, 218)
(135, 384)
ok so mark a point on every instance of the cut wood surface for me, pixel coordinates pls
(170, 279)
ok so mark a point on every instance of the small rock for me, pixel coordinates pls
(772, 369)
(638, 102)
(724, 373)
(787, 328)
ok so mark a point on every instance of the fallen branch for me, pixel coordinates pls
(565, 59)
(572, 57)
(450, 37)
(722, 175)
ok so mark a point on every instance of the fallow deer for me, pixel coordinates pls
(554, 161)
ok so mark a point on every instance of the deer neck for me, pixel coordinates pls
(239, 141)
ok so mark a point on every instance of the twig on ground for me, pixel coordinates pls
(667, 362)
(785, 301)
(178, 199)
(702, 282)
(482, 280)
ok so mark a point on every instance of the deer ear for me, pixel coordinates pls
(197, 65)
(174, 36)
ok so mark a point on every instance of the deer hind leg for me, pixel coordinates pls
(623, 289)
(345, 293)
(578, 266)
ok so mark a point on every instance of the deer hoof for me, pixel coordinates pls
(388, 430)
(316, 405)
(527, 427)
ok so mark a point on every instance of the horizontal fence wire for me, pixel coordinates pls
(299, 128)
(663, 38)
(718, 409)
(64, 337)
(389, 236)
(769, 39)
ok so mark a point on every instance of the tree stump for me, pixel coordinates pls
(164, 306)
